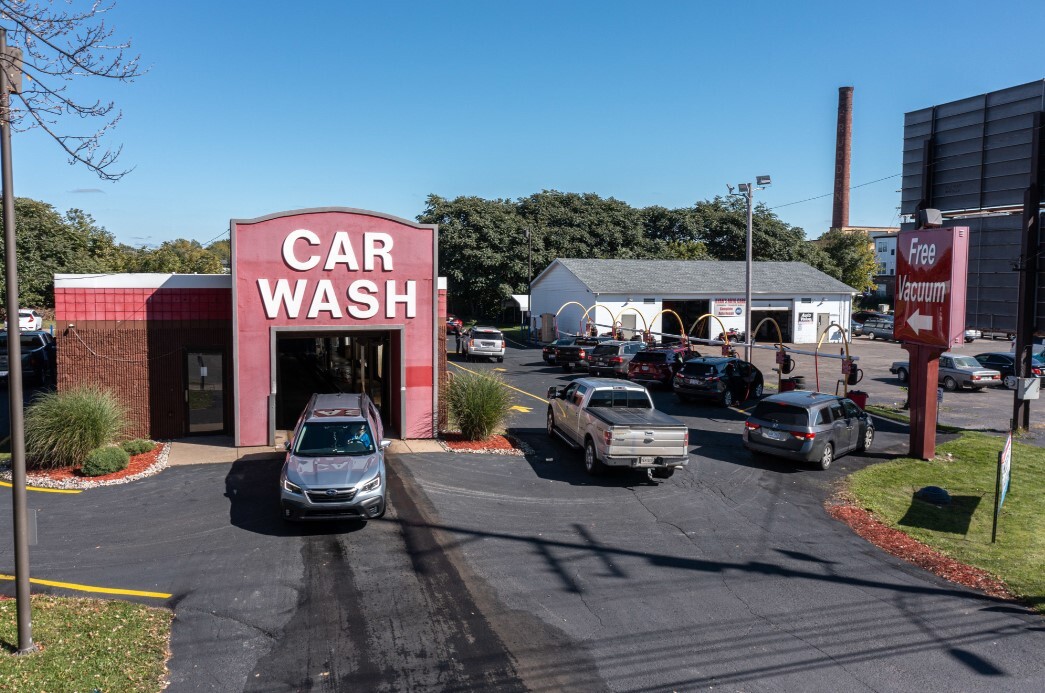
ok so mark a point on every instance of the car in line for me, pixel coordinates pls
(808, 427)
(484, 343)
(335, 463)
(658, 364)
(38, 356)
(956, 371)
(28, 320)
(616, 425)
(612, 358)
(548, 350)
(972, 335)
(1005, 363)
(722, 379)
(576, 355)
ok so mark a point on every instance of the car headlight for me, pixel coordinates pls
(372, 485)
(289, 486)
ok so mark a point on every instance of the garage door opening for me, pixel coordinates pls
(367, 361)
(767, 333)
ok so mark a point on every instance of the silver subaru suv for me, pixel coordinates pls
(335, 466)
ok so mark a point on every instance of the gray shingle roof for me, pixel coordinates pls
(660, 277)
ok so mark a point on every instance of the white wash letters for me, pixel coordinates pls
(344, 289)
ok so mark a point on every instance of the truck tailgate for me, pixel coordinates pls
(648, 442)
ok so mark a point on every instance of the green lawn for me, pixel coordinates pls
(87, 645)
(963, 530)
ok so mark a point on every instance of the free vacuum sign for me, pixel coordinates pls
(931, 268)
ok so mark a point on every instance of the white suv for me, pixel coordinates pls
(484, 342)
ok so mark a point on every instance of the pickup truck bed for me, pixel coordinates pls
(620, 416)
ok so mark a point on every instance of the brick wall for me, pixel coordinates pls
(144, 364)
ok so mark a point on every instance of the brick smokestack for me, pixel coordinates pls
(843, 151)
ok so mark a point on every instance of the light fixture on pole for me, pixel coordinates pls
(747, 190)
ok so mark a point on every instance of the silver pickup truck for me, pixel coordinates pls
(956, 371)
(617, 426)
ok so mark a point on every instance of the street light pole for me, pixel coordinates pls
(747, 275)
(748, 191)
(529, 280)
(9, 63)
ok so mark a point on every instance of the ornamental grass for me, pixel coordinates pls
(62, 428)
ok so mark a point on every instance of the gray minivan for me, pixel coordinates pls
(808, 427)
(335, 466)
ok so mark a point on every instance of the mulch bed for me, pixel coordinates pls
(139, 467)
(495, 444)
(898, 544)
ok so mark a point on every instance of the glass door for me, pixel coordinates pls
(205, 391)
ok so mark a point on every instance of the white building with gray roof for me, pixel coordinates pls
(638, 294)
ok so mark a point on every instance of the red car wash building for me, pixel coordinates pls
(318, 300)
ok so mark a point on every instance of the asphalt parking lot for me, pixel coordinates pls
(523, 573)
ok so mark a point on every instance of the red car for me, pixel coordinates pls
(658, 364)
(453, 324)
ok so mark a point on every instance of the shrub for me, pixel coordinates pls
(105, 461)
(61, 428)
(138, 446)
(478, 404)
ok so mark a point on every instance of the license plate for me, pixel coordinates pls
(644, 368)
(647, 460)
(774, 435)
(695, 381)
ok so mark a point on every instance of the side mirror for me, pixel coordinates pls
(286, 445)
(553, 393)
(384, 443)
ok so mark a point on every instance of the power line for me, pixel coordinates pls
(820, 197)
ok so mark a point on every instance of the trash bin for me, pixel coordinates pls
(859, 398)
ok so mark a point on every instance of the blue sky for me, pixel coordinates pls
(253, 108)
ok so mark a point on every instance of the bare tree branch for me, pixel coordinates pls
(61, 44)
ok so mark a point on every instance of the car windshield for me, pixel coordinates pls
(778, 412)
(604, 349)
(699, 370)
(650, 357)
(566, 341)
(966, 362)
(486, 335)
(334, 439)
(619, 397)
(590, 341)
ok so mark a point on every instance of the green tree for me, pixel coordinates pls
(180, 256)
(723, 229)
(852, 255)
(50, 244)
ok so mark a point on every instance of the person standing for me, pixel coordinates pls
(458, 339)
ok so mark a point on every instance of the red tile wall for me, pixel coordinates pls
(119, 305)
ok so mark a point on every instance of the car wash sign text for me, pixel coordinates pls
(350, 284)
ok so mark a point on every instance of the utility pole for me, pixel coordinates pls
(11, 81)
(748, 191)
(529, 280)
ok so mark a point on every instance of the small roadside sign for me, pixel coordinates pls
(1002, 485)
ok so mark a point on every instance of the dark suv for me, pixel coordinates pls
(721, 378)
(658, 364)
(612, 358)
(808, 426)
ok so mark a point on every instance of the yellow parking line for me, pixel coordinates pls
(540, 399)
(45, 490)
(89, 588)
